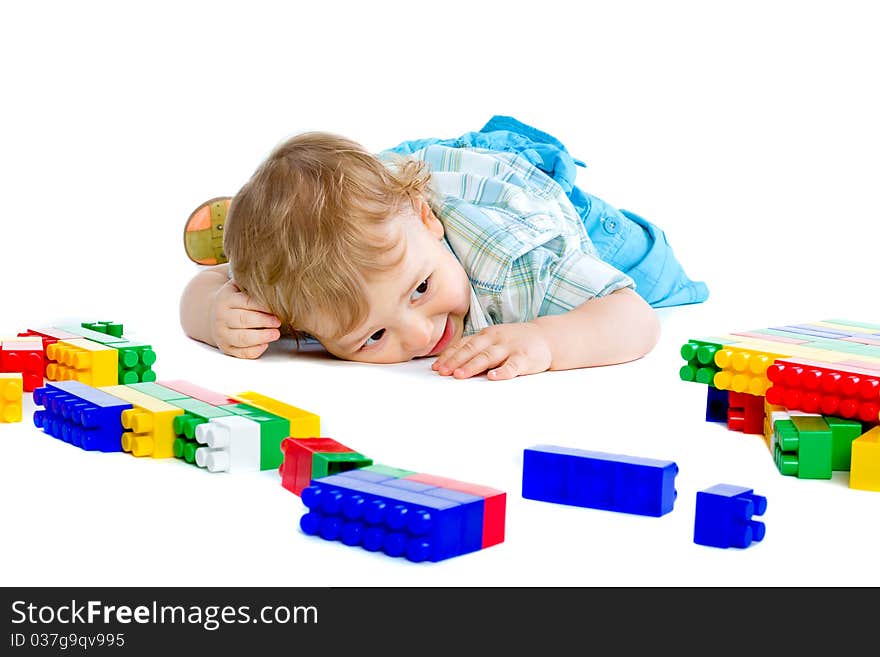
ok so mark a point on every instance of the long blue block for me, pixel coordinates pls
(598, 480)
(421, 526)
(724, 516)
(80, 415)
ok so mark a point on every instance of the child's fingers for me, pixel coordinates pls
(246, 338)
(511, 368)
(479, 362)
(254, 351)
(251, 319)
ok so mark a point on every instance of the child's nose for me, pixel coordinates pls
(417, 334)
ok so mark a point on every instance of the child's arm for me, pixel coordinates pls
(606, 330)
(215, 311)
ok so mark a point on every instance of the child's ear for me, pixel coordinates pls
(429, 219)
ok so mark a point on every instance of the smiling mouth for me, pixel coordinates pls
(445, 337)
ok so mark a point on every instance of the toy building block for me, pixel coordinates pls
(494, 504)
(228, 444)
(803, 447)
(11, 392)
(305, 459)
(83, 360)
(80, 415)
(864, 471)
(109, 328)
(827, 388)
(745, 412)
(197, 392)
(743, 369)
(148, 424)
(418, 522)
(273, 429)
(598, 480)
(195, 413)
(303, 424)
(700, 364)
(26, 357)
(724, 514)
(843, 433)
(136, 362)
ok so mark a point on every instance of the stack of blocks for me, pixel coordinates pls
(811, 390)
(641, 486)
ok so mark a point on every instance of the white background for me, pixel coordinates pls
(749, 134)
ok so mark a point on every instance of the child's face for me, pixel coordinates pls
(418, 307)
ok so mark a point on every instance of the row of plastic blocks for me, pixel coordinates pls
(420, 517)
(11, 393)
(723, 517)
(740, 411)
(237, 433)
(81, 415)
(598, 480)
(305, 459)
(93, 357)
(811, 387)
(23, 356)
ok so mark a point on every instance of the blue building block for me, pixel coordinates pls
(717, 403)
(428, 525)
(724, 517)
(612, 482)
(80, 415)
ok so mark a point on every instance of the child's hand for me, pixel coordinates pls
(511, 349)
(239, 325)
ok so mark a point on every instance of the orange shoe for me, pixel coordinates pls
(203, 233)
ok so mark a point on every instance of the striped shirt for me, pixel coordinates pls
(517, 235)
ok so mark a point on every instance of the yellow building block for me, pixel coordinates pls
(743, 369)
(11, 392)
(864, 471)
(148, 424)
(82, 360)
(303, 424)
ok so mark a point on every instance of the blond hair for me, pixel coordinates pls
(305, 230)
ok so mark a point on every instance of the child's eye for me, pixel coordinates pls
(421, 289)
(375, 337)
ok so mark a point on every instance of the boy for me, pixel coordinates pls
(471, 255)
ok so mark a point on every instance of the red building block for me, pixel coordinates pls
(745, 412)
(24, 357)
(825, 388)
(298, 466)
(494, 504)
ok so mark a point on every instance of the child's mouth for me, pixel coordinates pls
(445, 338)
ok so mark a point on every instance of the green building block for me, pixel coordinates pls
(273, 429)
(110, 328)
(700, 357)
(802, 447)
(135, 362)
(843, 432)
(330, 463)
